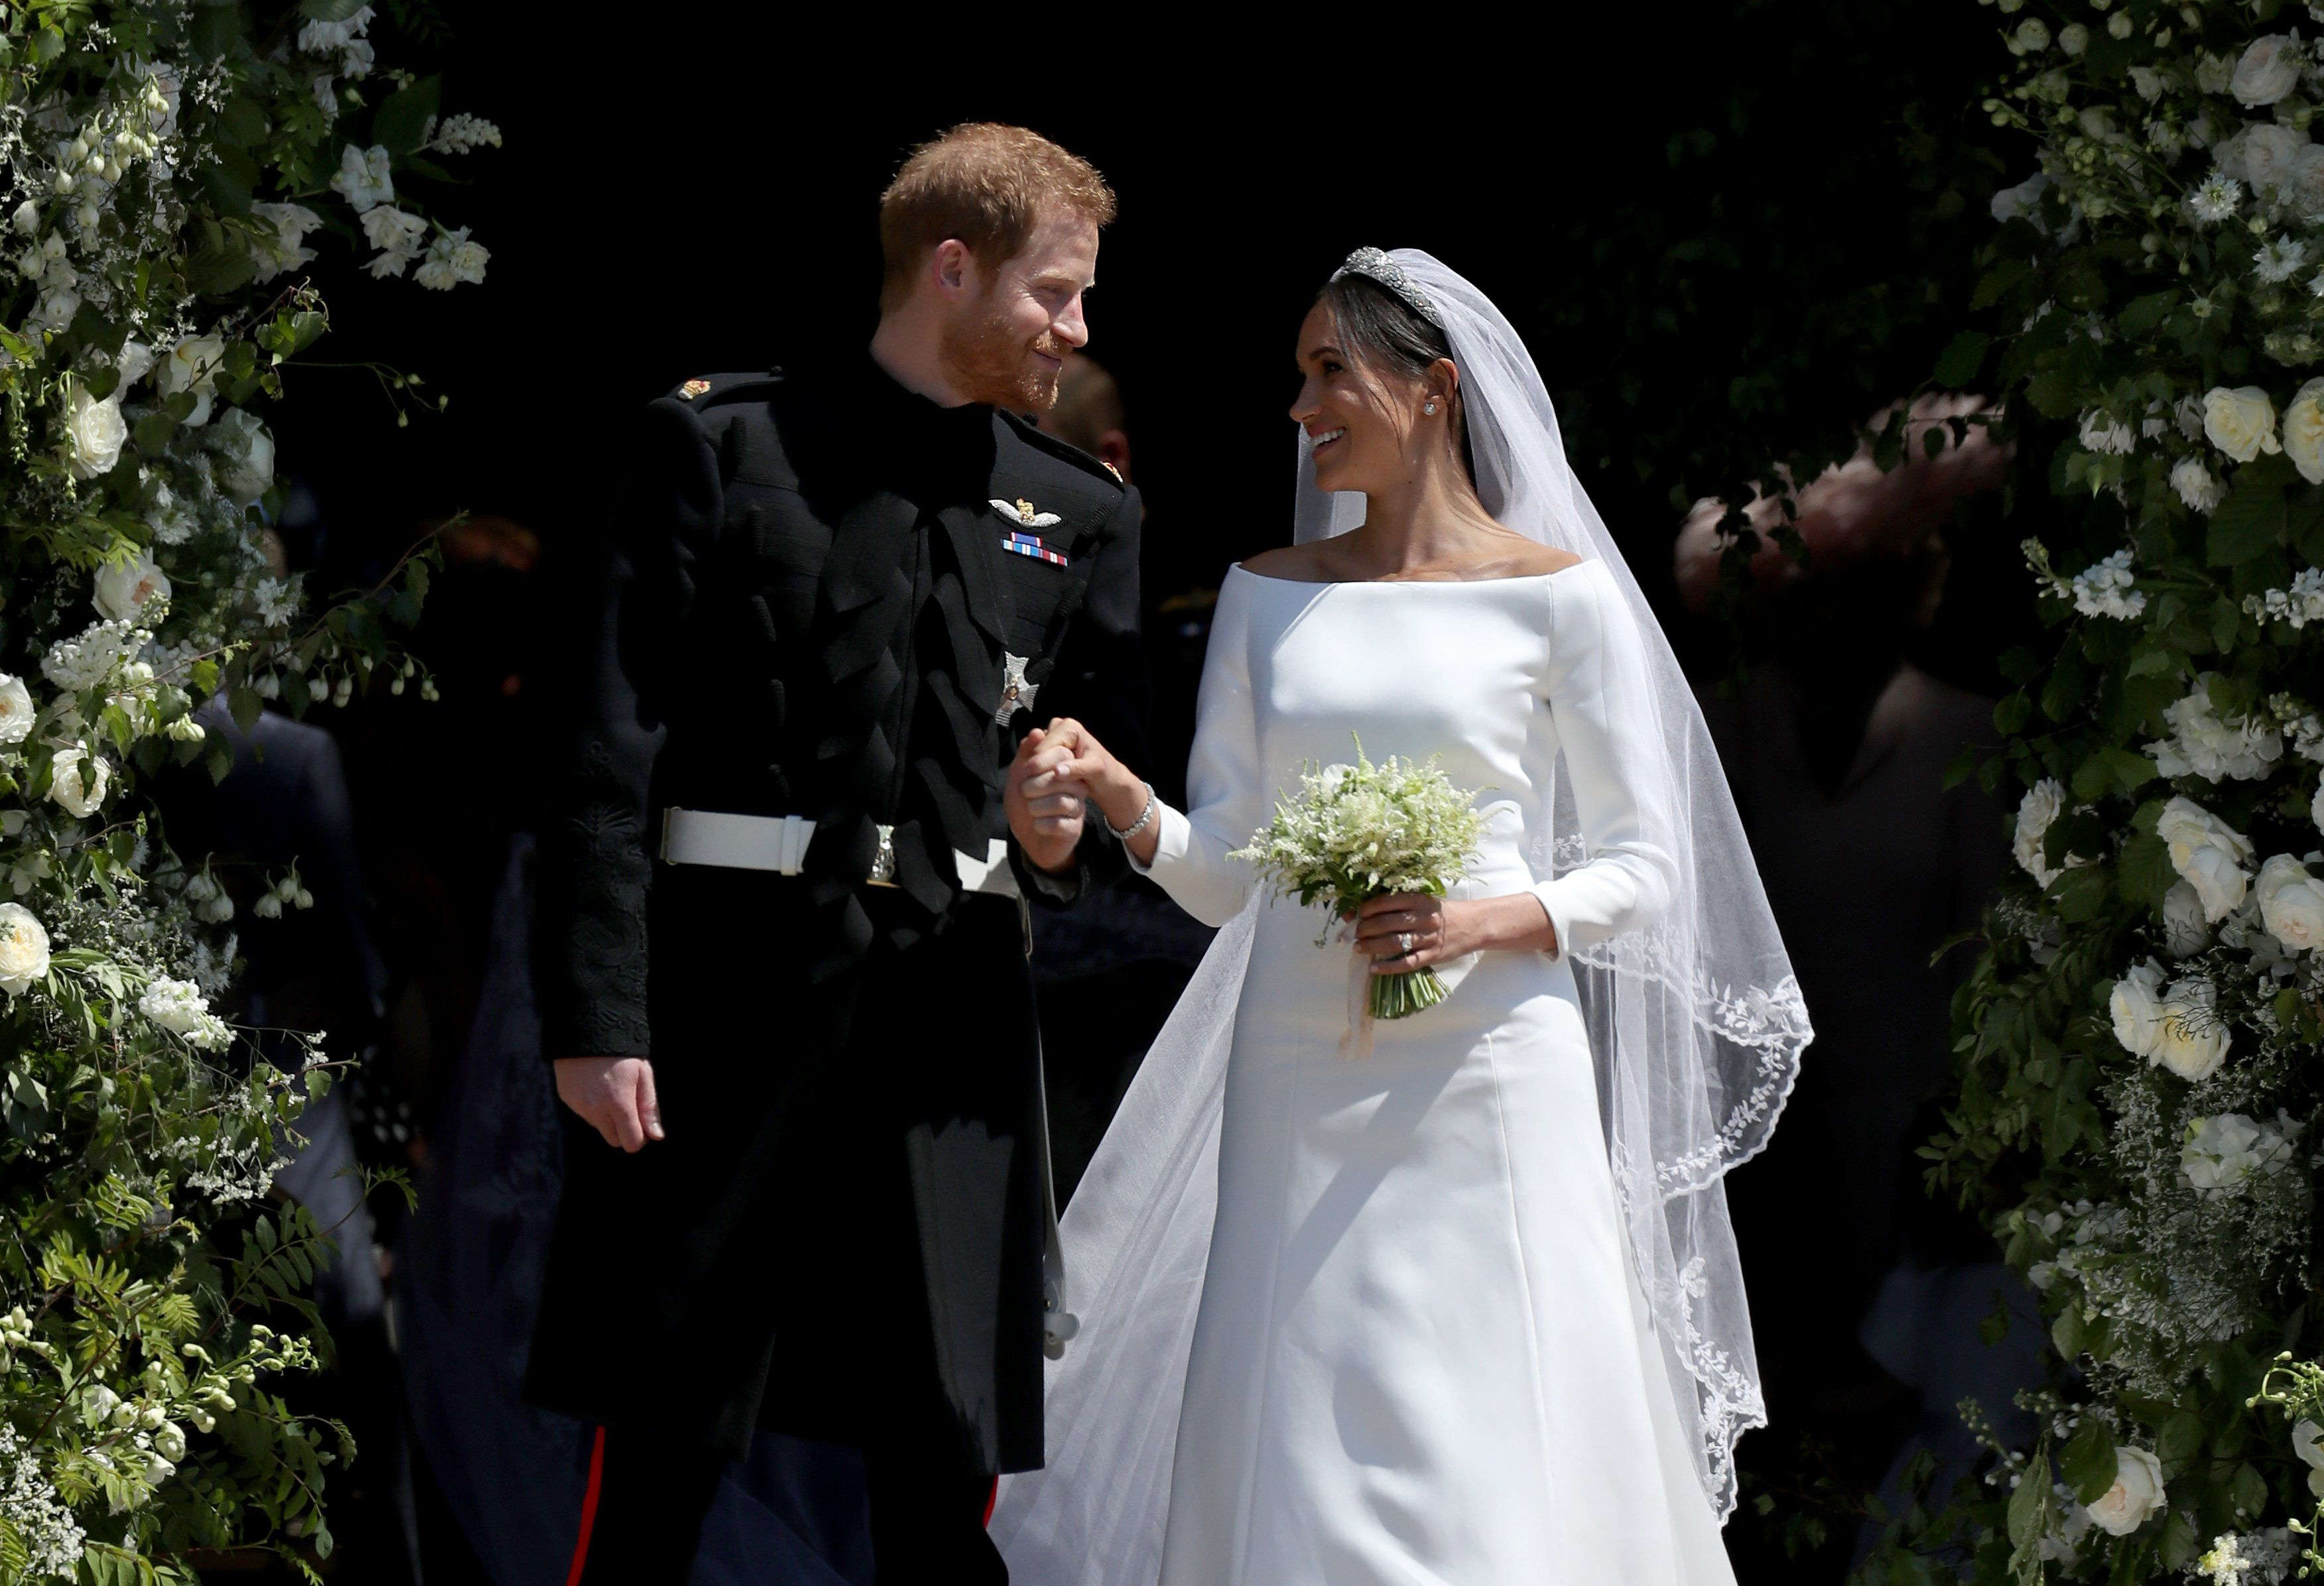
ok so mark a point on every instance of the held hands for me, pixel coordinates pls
(1045, 809)
(1120, 794)
(615, 1096)
(1404, 931)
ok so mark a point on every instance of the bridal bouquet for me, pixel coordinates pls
(1356, 832)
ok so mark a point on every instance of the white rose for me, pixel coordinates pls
(2136, 1495)
(2269, 154)
(2208, 855)
(24, 949)
(77, 780)
(123, 588)
(245, 456)
(2303, 430)
(2185, 930)
(2240, 422)
(2269, 70)
(2136, 1005)
(16, 711)
(2191, 1041)
(192, 365)
(93, 431)
(2291, 904)
(2035, 812)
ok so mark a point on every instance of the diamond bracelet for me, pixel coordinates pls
(1125, 833)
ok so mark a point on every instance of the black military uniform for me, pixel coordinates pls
(830, 598)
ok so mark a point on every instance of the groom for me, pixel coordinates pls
(783, 920)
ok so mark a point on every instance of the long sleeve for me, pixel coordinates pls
(1602, 706)
(1226, 800)
(596, 856)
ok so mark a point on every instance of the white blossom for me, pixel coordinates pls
(123, 588)
(292, 222)
(2190, 1039)
(92, 656)
(2040, 806)
(178, 1006)
(24, 949)
(2203, 743)
(78, 781)
(2208, 855)
(2136, 1493)
(323, 38)
(2073, 39)
(2197, 485)
(2024, 199)
(452, 258)
(2104, 589)
(2185, 930)
(2221, 1154)
(2269, 70)
(193, 366)
(2033, 34)
(2135, 1006)
(2299, 606)
(95, 431)
(52, 1539)
(16, 711)
(364, 176)
(2215, 199)
(2250, 1558)
(2280, 259)
(2103, 432)
(246, 452)
(2240, 422)
(2291, 903)
(461, 133)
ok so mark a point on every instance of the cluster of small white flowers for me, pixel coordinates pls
(2299, 606)
(2249, 1558)
(2221, 1153)
(2106, 588)
(94, 656)
(178, 1007)
(2205, 744)
(1356, 832)
(458, 134)
(30, 1506)
(452, 258)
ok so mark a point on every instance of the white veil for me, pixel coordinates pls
(1696, 1026)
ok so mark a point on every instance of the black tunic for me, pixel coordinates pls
(809, 608)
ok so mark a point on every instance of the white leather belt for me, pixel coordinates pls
(779, 843)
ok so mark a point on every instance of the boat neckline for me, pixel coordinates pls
(1334, 583)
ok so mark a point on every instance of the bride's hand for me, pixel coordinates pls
(1410, 931)
(1118, 792)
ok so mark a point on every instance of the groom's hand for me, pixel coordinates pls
(615, 1094)
(1045, 812)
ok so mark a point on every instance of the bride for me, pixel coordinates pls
(1455, 1301)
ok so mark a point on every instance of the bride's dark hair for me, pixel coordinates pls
(1390, 337)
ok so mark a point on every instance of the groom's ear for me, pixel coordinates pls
(952, 268)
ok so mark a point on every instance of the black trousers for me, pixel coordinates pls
(653, 1494)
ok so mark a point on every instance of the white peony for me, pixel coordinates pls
(245, 466)
(2291, 903)
(2135, 1496)
(2208, 855)
(77, 780)
(2197, 485)
(2136, 1005)
(95, 431)
(16, 711)
(2185, 930)
(2304, 431)
(2240, 422)
(24, 949)
(363, 178)
(2190, 1040)
(178, 1007)
(123, 588)
(2269, 70)
(192, 366)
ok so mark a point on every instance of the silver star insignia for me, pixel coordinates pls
(1016, 693)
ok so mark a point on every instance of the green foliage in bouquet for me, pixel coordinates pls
(1351, 833)
(2142, 1043)
(163, 167)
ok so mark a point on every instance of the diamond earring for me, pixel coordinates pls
(1428, 406)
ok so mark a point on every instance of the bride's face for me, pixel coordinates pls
(1361, 424)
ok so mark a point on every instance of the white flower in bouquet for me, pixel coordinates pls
(2106, 588)
(2240, 421)
(2035, 812)
(95, 431)
(192, 366)
(245, 466)
(463, 133)
(2136, 1006)
(2205, 744)
(135, 361)
(452, 260)
(2303, 185)
(2208, 855)
(178, 1007)
(1356, 832)
(92, 656)
(2215, 199)
(292, 222)
(2303, 430)
(77, 780)
(2190, 1039)
(24, 949)
(2278, 261)
(2316, 808)
(2033, 35)
(364, 176)
(2185, 930)
(2135, 1496)
(2269, 70)
(394, 231)
(2291, 904)
(123, 588)
(2263, 156)
(16, 711)
(2197, 485)
(322, 38)
(2307, 1443)
(2101, 432)
(2221, 1154)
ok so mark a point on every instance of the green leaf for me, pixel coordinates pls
(231, 180)
(401, 120)
(2249, 522)
(1963, 356)
(330, 10)
(2178, 1544)
(2029, 1506)
(2142, 315)
(2087, 1463)
(2055, 393)
(219, 268)
(2066, 1332)
(2178, 1441)
(2143, 870)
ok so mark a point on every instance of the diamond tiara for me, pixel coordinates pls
(1374, 265)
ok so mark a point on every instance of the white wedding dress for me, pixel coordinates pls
(1422, 1356)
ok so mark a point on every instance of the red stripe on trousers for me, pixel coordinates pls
(589, 1508)
(992, 1501)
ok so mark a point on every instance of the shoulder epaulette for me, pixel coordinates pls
(706, 390)
(1041, 440)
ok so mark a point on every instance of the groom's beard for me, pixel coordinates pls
(986, 363)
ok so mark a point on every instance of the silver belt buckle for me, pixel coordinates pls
(883, 858)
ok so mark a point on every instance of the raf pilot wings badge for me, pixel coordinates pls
(1019, 542)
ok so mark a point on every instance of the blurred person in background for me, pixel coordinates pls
(1836, 746)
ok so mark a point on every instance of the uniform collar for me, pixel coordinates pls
(914, 419)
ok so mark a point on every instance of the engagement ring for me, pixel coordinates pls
(1404, 941)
